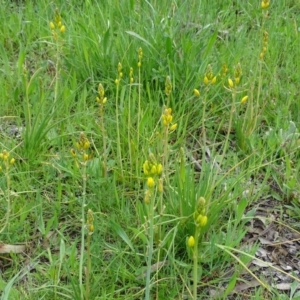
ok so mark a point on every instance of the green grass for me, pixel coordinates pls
(138, 250)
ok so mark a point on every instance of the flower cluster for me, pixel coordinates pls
(82, 145)
(167, 119)
(168, 86)
(131, 78)
(224, 70)
(101, 99)
(90, 222)
(56, 25)
(140, 55)
(237, 76)
(209, 77)
(265, 45)
(5, 157)
(265, 4)
(120, 74)
(152, 170)
(200, 217)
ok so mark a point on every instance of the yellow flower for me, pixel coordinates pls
(230, 82)
(214, 80)
(146, 167)
(153, 169)
(85, 157)
(63, 29)
(12, 161)
(196, 93)
(150, 182)
(201, 220)
(52, 26)
(244, 99)
(73, 153)
(265, 4)
(173, 127)
(191, 242)
(206, 80)
(159, 169)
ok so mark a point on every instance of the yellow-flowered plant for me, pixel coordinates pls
(101, 99)
(81, 156)
(209, 77)
(57, 27)
(200, 221)
(6, 164)
(265, 45)
(153, 173)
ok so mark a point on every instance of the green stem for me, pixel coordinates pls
(138, 125)
(104, 166)
(195, 265)
(118, 131)
(150, 247)
(82, 229)
(7, 196)
(88, 267)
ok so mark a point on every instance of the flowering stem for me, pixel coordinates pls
(138, 124)
(88, 271)
(118, 131)
(82, 228)
(104, 166)
(7, 196)
(195, 265)
(150, 247)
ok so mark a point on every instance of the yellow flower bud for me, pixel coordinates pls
(201, 220)
(153, 170)
(146, 167)
(244, 99)
(214, 80)
(237, 80)
(230, 82)
(139, 64)
(159, 169)
(85, 157)
(196, 93)
(265, 4)
(12, 161)
(52, 26)
(206, 80)
(91, 229)
(150, 182)
(191, 242)
(63, 29)
(173, 127)
(86, 145)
